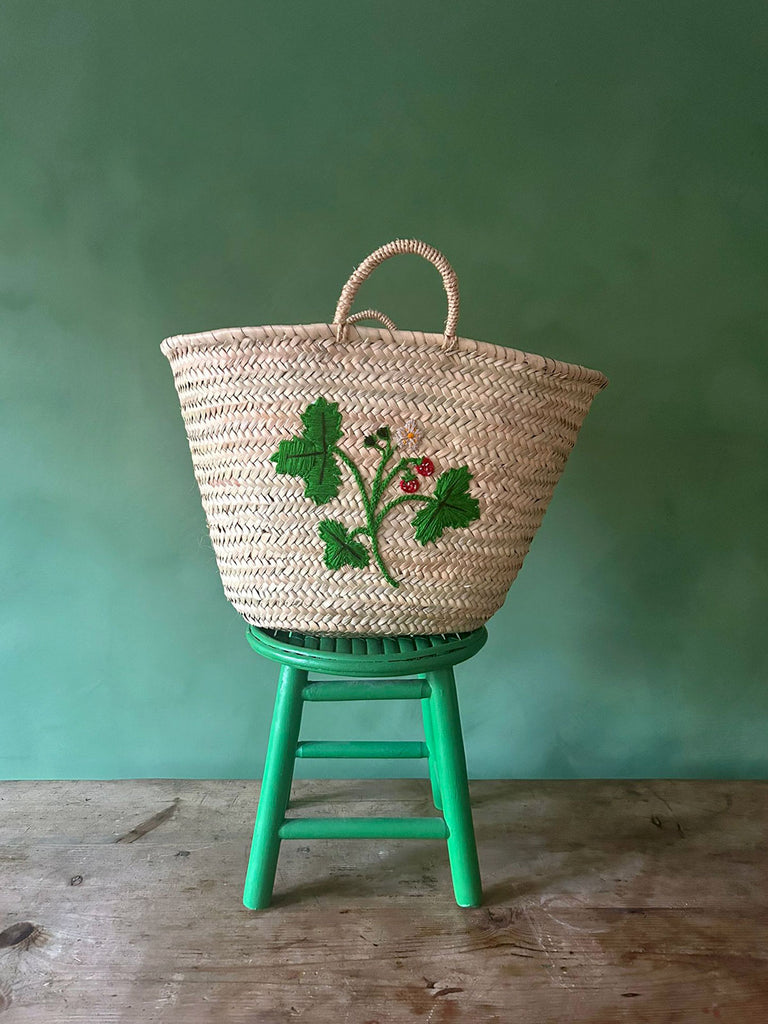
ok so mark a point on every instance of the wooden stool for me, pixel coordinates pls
(431, 660)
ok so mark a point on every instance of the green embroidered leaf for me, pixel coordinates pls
(451, 506)
(340, 548)
(311, 456)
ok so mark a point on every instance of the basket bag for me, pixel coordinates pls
(368, 480)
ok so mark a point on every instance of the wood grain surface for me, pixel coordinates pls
(605, 902)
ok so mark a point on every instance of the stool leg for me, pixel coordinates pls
(275, 788)
(452, 772)
(429, 736)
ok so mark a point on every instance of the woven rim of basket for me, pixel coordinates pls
(327, 333)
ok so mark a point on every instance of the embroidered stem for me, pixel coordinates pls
(398, 501)
(379, 560)
(376, 552)
(378, 486)
(371, 526)
(358, 479)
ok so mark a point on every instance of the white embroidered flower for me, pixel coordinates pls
(408, 437)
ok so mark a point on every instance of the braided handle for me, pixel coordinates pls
(371, 314)
(396, 248)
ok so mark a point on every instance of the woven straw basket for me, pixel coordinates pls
(367, 480)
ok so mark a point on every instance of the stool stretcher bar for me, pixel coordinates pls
(361, 748)
(363, 828)
(367, 689)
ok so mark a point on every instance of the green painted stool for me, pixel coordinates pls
(430, 659)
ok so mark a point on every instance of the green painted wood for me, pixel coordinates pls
(275, 788)
(454, 790)
(414, 655)
(361, 748)
(367, 689)
(429, 736)
(443, 747)
(364, 828)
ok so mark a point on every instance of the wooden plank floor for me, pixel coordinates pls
(606, 902)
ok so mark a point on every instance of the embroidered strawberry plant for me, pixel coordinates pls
(316, 457)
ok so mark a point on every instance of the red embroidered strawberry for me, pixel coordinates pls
(409, 484)
(426, 467)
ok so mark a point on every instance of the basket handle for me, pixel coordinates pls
(371, 314)
(396, 248)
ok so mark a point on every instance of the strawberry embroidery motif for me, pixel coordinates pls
(316, 457)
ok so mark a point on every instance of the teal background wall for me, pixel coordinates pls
(596, 172)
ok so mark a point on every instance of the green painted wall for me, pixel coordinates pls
(597, 173)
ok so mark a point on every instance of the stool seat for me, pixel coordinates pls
(375, 656)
